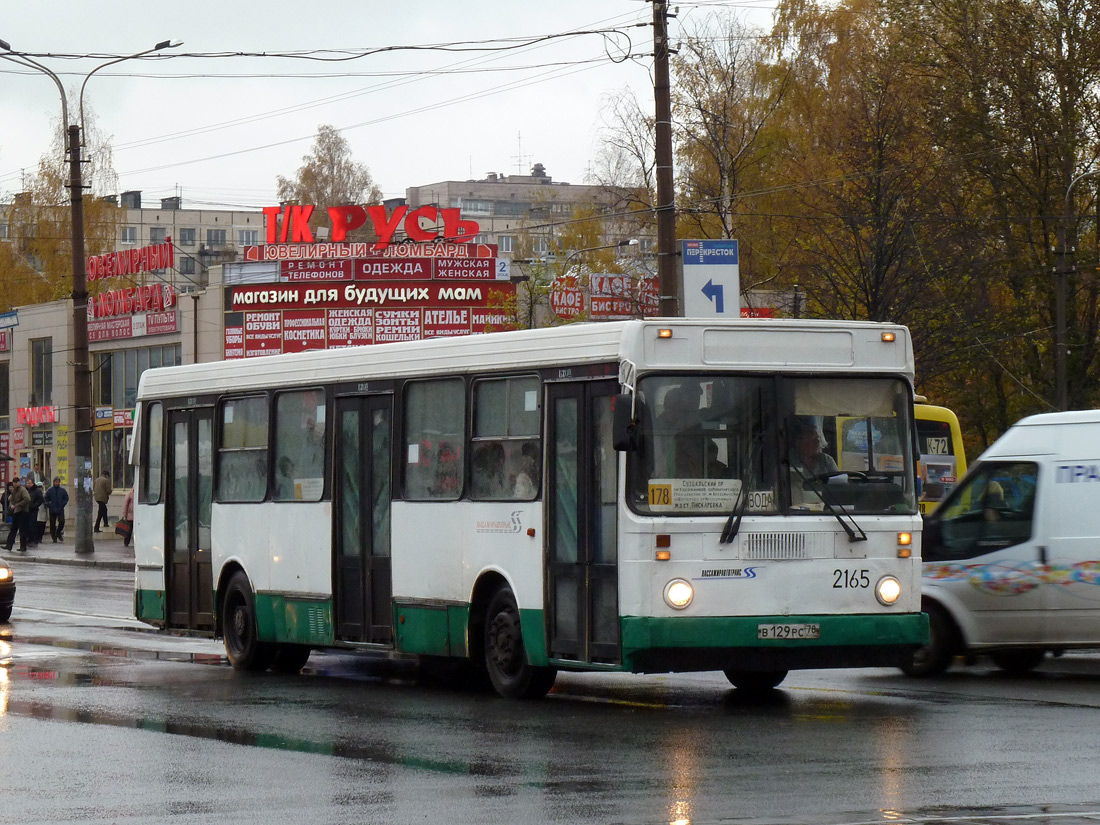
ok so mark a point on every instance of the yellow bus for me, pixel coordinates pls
(942, 455)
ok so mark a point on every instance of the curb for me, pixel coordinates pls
(70, 561)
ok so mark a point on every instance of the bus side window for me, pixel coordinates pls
(505, 448)
(435, 425)
(299, 446)
(153, 455)
(242, 449)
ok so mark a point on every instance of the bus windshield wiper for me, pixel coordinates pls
(834, 508)
(733, 523)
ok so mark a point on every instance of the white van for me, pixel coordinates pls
(1012, 556)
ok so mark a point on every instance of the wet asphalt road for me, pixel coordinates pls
(103, 721)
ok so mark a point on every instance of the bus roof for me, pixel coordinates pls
(793, 345)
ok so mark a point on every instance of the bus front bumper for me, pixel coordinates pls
(691, 643)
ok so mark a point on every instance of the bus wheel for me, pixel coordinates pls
(1018, 662)
(242, 643)
(290, 658)
(943, 641)
(505, 657)
(755, 681)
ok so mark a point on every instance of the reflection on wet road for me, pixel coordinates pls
(148, 728)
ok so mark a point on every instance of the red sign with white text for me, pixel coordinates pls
(289, 223)
(234, 341)
(350, 327)
(372, 295)
(304, 330)
(345, 251)
(308, 270)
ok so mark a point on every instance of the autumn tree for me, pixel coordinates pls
(36, 266)
(726, 96)
(1018, 106)
(329, 176)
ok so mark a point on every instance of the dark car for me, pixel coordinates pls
(7, 590)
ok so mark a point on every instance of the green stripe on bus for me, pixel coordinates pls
(149, 605)
(531, 624)
(645, 632)
(294, 621)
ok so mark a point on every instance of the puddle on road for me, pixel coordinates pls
(381, 753)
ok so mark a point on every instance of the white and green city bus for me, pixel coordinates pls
(622, 496)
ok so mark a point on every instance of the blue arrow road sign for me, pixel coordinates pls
(714, 292)
(711, 272)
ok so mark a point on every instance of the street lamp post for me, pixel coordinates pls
(82, 388)
(576, 252)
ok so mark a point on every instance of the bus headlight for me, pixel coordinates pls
(679, 593)
(888, 590)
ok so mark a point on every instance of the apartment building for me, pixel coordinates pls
(509, 207)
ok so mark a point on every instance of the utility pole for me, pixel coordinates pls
(1065, 268)
(82, 387)
(1061, 276)
(667, 280)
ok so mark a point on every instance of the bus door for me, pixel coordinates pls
(582, 523)
(190, 591)
(361, 515)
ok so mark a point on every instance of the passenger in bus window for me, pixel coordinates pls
(488, 471)
(284, 480)
(681, 434)
(525, 481)
(715, 467)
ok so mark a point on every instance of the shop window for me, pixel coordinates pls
(41, 372)
(5, 399)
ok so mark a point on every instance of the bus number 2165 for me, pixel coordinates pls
(849, 579)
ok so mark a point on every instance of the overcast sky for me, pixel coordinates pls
(218, 130)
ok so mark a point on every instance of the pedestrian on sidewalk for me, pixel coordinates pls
(19, 503)
(5, 498)
(101, 492)
(128, 516)
(36, 506)
(57, 498)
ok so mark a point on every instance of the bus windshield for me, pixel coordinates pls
(792, 445)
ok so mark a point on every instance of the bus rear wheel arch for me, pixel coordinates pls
(512, 676)
(241, 636)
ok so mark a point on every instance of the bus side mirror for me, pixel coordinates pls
(624, 429)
